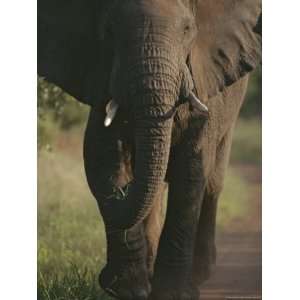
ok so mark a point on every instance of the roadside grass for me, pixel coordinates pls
(71, 237)
(234, 202)
(246, 147)
(74, 284)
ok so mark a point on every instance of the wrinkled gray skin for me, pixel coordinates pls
(149, 55)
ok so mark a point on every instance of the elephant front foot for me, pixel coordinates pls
(126, 275)
(130, 283)
(203, 273)
(173, 285)
(204, 264)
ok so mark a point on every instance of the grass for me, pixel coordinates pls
(235, 201)
(247, 142)
(74, 284)
(71, 237)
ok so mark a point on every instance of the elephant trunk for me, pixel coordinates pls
(156, 82)
(152, 147)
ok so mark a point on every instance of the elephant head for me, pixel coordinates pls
(147, 55)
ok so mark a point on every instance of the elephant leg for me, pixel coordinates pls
(108, 168)
(205, 248)
(153, 228)
(173, 267)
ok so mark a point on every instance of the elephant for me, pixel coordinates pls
(165, 80)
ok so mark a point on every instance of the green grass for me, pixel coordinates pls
(71, 237)
(247, 142)
(74, 284)
(234, 202)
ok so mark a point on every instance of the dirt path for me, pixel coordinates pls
(238, 270)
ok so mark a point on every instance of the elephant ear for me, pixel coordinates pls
(70, 51)
(228, 44)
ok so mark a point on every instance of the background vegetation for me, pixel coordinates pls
(71, 240)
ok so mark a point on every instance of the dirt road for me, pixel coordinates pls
(237, 275)
(238, 271)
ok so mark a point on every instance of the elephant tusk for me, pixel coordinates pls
(196, 103)
(111, 110)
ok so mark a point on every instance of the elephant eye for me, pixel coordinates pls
(189, 27)
(189, 31)
(186, 29)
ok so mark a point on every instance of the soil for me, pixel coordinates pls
(237, 274)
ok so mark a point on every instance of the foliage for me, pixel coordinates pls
(56, 110)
